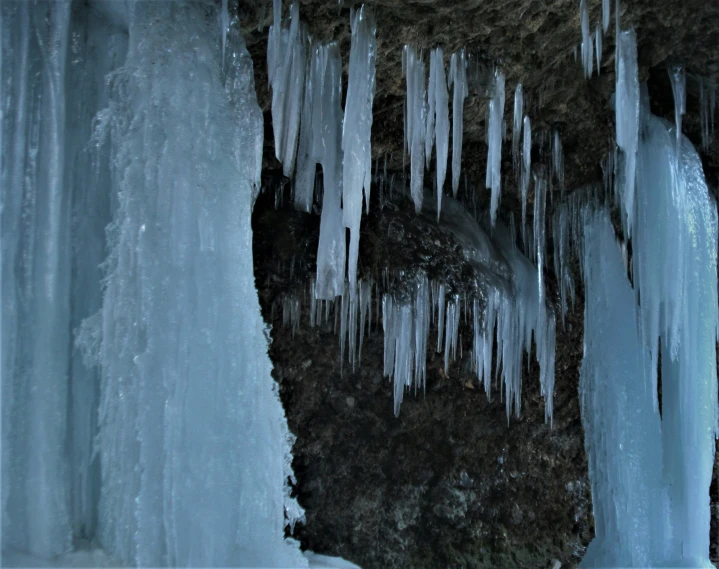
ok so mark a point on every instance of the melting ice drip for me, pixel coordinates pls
(173, 449)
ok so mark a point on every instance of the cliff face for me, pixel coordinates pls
(450, 482)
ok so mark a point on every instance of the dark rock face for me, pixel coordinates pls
(450, 483)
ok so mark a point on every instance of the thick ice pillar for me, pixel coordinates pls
(182, 412)
(193, 440)
(621, 428)
(651, 476)
(36, 339)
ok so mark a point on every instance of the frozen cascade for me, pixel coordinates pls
(627, 120)
(494, 144)
(662, 519)
(356, 130)
(674, 268)
(170, 395)
(326, 149)
(458, 78)
(286, 65)
(415, 121)
(622, 429)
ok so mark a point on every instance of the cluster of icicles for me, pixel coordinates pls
(310, 128)
(406, 322)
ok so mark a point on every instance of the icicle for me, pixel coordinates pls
(306, 163)
(406, 329)
(606, 14)
(627, 119)
(314, 304)
(416, 122)
(458, 77)
(356, 130)
(707, 98)
(224, 26)
(327, 120)
(286, 63)
(540, 199)
(431, 101)
(517, 127)
(442, 124)
(494, 144)
(440, 316)
(587, 43)
(526, 173)
(678, 80)
(558, 161)
(598, 47)
(291, 312)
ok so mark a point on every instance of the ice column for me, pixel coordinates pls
(178, 486)
(36, 279)
(650, 472)
(622, 429)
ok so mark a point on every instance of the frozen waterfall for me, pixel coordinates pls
(127, 189)
(651, 464)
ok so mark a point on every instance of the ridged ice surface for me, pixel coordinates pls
(166, 309)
